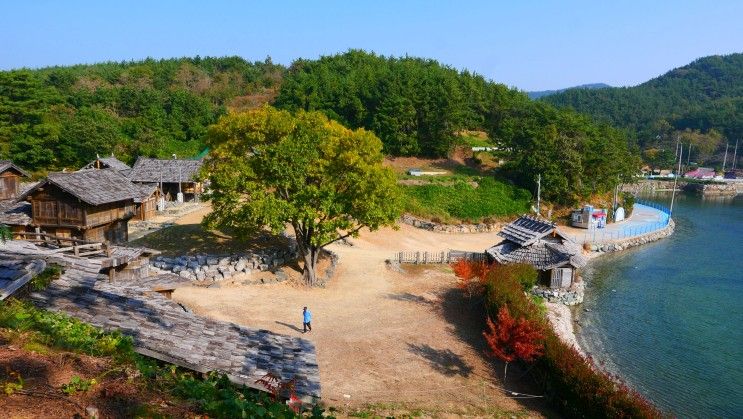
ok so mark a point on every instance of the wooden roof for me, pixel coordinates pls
(7, 165)
(144, 191)
(107, 163)
(150, 170)
(542, 255)
(95, 187)
(15, 213)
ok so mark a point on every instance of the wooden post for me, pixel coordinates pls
(417, 257)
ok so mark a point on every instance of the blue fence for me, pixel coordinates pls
(632, 229)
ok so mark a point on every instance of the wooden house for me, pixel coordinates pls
(93, 205)
(10, 179)
(146, 201)
(539, 243)
(171, 175)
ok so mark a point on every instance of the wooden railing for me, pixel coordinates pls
(60, 244)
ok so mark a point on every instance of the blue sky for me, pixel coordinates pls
(532, 45)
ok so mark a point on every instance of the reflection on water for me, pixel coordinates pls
(668, 316)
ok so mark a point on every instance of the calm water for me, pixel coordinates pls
(668, 316)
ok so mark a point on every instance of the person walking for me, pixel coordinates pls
(307, 318)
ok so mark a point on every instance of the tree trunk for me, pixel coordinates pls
(309, 255)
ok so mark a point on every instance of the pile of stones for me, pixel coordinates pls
(570, 297)
(216, 268)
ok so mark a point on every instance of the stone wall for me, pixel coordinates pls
(650, 186)
(715, 189)
(449, 228)
(215, 268)
(627, 243)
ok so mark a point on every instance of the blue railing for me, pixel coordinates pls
(599, 236)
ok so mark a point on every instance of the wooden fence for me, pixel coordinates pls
(437, 257)
(60, 244)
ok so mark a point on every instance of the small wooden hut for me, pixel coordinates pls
(146, 201)
(10, 179)
(539, 243)
(171, 175)
(93, 205)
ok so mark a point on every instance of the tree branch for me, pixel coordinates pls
(349, 234)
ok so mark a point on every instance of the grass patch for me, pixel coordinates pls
(42, 280)
(452, 200)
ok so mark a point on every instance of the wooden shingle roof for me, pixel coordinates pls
(542, 255)
(161, 170)
(7, 164)
(107, 163)
(95, 187)
(15, 213)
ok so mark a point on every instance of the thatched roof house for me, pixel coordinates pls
(540, 244)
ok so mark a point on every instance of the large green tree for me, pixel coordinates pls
(270, 168)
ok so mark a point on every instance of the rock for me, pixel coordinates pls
(212, 261)
(200, 275)
(92, 412)
(223, 269)
(193, 264)
(178, 268)
(186, 274)
(240, 265)
(224, 262)
(202, 259)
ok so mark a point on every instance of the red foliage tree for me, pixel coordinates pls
(472, 274)
(513, 339)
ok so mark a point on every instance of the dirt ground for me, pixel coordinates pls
(387, 342)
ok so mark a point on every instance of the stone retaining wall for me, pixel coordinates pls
(449, 228)
(715, 189)
(623, 244)
(650, 186)
(215, 268)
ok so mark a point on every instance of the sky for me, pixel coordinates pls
(531, 45)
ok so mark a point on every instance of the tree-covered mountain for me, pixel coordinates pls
(702, 101)
(417, 107)
(542, 93)
(59, 117)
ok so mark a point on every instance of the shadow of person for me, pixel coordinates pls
(290, 326)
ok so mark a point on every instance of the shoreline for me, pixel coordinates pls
(561, 316)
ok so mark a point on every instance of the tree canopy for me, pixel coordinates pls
(59, 117)
(705, 95)
(269, 168)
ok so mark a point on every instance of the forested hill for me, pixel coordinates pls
(542, 93)
(417, 107)
(704, 95)
(59, 117)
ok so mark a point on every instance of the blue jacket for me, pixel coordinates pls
(307, 316)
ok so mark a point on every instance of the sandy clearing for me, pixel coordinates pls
(383, 336)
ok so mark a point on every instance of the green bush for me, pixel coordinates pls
(629, 203)
(42, 280)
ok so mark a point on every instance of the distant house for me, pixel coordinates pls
(146, 201)
(93, 205)
(10, 179)
(701, 173)
(107, 163)
(173, 175)
(540, 244)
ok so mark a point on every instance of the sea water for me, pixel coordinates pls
(667, 317)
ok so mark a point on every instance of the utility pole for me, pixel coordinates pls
(735, 154)
(675, 180)
(539, 192)
(725, 159)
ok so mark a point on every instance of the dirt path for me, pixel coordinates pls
(383, 337)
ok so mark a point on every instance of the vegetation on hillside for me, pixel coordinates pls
(700, 97)
(59, 117)
(418, 106)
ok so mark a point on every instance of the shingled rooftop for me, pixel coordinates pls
(148, 170)
(537, 243)
(95, 187)
(107, 163)
(7, 164)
